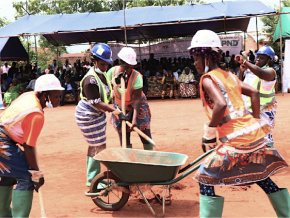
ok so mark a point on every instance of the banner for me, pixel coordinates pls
(233, 44)
(176, 48)
(286, 69)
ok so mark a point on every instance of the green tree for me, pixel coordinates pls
(47, 7)
(270, 24)
(4, 22)
(64, 6)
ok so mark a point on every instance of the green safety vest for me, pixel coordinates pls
(104, 97)
(266, 97)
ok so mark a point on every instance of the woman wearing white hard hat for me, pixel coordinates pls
(136, 103)
(96, 94)
(242, 157)
(21, 124)
(263, 78)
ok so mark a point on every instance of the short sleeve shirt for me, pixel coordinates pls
(32, 126)
(91, 90)
(138, 84)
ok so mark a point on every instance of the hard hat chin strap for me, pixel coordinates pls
(206, 62)
(48, 102)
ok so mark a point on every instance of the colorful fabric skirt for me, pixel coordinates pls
(267, 115)
(12, 159)
(143, 118)
(224, 167)
(187, 90)
(92, 123)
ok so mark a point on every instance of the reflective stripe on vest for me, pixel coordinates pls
(241, 132)
(269, 98)
(233, 113)
(129, 92)
(102, 91)
(237, 125)
(25, 104)
(266, 97)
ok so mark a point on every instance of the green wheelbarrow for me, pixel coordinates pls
(110, 190)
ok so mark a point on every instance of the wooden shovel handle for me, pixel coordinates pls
(124, 141)
(142, 134)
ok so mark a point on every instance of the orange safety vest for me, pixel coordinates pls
(129, 92)
(24, 105)
(238, 128)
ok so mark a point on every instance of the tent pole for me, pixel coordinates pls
(225, 25)
(28, 50)
(35, 44)
(56, 54)
(244, 41)
(140, 56)
(257, 33)
(281, 47)
(124, 23)
(149, 47)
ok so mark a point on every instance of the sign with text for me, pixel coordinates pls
(233, 44)
(176, 48)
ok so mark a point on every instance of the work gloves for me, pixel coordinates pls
(120, 115)
(209, 138)
(117, 79)
(37, 178)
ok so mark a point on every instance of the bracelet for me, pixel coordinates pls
(244, 61)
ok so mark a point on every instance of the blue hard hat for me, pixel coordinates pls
(266, 50)
(102, 51)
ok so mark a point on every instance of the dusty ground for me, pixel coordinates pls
(177, 126)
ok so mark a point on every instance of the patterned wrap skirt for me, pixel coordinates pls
(12, 159)
(267, 115)
(92, 122)
(143, 118)
(224, 167)
(187, 89)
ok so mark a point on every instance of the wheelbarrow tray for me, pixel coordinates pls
(141, 166)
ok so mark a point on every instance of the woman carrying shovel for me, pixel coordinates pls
(136, 104)
(243, 157)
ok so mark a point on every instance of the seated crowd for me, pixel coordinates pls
(167, 77)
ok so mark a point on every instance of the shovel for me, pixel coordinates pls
(142, 134)
(124, 112)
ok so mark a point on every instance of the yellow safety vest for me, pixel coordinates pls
(103, 95)
(266, 97)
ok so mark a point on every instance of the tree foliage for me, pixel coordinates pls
(4, 22)
(47, 7)
(270, 24)
(81, 6)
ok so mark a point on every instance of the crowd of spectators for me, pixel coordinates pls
(17, 78)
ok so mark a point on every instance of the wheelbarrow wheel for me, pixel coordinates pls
(110, 200)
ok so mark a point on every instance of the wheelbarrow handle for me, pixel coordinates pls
(195, 161)
(142, 134)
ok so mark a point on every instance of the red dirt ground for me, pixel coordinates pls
(177, 126)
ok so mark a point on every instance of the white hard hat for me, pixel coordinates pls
(128, 55)
(205, 38)
(47, 82)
